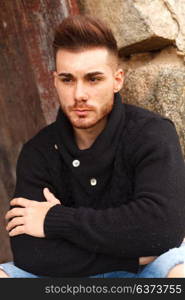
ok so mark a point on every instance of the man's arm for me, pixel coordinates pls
(142, 227)
(150, 224)
(42, 256)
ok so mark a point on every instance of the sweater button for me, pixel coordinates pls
(56, 147)
(93, 181)
(76, 163)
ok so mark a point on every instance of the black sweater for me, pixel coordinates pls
(134, 207)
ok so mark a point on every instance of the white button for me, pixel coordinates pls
(93, 181)
(56, 147)
(76, 163)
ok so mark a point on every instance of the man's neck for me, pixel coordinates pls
(86, 137)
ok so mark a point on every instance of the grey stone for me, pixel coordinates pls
(142, 25)
(158, 84)
(177, 10)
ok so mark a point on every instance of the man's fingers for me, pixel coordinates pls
(20, 202)
(3, 274)
(14, 212)
(15, 222)
(17, 230)
(146, 260)
(49, 196)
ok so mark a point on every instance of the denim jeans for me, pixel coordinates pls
(159, 268)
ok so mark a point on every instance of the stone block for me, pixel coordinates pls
(157, 82)
(142, 25)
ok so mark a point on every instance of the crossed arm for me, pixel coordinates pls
(29, 217)
(137, 236)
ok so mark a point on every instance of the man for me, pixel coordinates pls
(100, 192)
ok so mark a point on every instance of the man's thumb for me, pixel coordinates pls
(50, 197)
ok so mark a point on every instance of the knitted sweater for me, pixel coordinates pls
(122, 198)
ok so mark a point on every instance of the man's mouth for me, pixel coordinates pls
(81, 112)
(82, 109)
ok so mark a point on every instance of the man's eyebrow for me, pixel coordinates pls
(65, 74)
(86, 75)
(94, 73)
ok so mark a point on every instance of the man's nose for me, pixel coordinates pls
(80, 93)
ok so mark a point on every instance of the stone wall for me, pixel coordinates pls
(151, 38)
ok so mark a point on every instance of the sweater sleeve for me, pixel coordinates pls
(153, 221)
(42, 256)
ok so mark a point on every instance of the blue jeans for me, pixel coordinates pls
(159, 268)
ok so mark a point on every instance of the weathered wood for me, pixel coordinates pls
(28, 100)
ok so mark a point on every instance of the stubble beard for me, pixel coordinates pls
(80, 122)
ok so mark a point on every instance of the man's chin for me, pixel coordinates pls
(83, 126)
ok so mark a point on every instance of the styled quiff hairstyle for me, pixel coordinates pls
(81, 32)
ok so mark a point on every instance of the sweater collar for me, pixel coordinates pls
(106, 139)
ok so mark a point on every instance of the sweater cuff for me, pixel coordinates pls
(59, 222)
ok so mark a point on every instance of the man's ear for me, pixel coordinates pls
(54, 77)
(118, 80)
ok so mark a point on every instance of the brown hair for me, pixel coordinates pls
(82, 31)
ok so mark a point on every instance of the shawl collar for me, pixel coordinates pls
(96, 161)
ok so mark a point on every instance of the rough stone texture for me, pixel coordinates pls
(27, 96)
(156, 81)
(142, 25)
(177, 10)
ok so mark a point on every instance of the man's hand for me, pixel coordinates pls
(3, 274)
(29, 217)
(146, 260)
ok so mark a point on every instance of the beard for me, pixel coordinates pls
(92, 118)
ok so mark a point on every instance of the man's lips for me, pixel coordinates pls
(81, 111)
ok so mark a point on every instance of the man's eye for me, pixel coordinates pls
(66, 79)
(94, 79)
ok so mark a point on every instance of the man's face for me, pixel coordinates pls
(86, 82)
